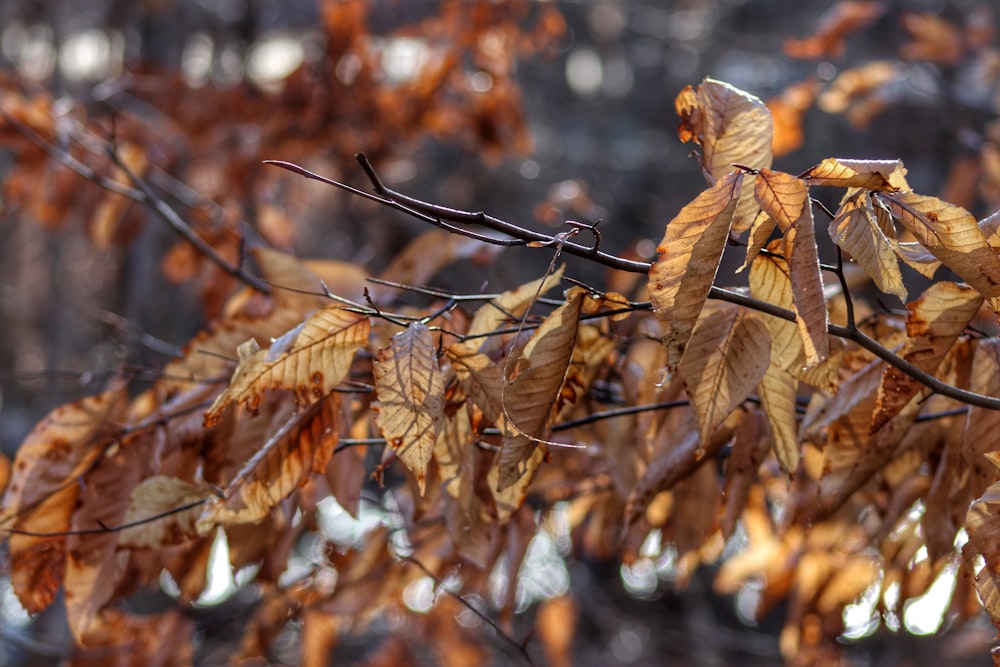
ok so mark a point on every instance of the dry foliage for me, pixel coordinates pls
(834, 439)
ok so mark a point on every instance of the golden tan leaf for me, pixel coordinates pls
(953, 235)
(160, 496)
(530, 401)
(726, 359)
(556, 627)
(135, 641)
(777, 398)
(782, 196)
(855, 228)
(319, 637)
(887, 175)
(301, 445)
(410, 390)
(310, 360)
(689, 256)
(760, 231)
(787, 111)
(934, 38)
(481, 378)
(427, 254)
(43, 490)
(507, 306)
(935, 322)
(771, 282)
(732, 127)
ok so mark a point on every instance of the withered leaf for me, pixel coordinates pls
(689, 256)
(301, 446)
(732, 127)
(856, 229)
(531, 399)
(935, 322)
(310, 360)
(953, 235)
(887, 175)
(726, 359)
(410, 390)
(160, 496)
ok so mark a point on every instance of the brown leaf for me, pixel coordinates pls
(771, 282)
(42, 493)
(836, 24)
(301, 446)
(953, 235)
(689, 256)
(787, 111)
(310, 360)
(777, 398)
(531, 399)
(934, 38)
(423, 257)
(555, 624)
(856, 229)
(982, 424)
(750, 447)
(732, 127)
(726, 359)
(885, 175)
(410, 391)
(935, 322)
(982, 523)
(156, 497)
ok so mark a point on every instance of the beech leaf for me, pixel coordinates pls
(410, 390)
(952, 235)
(160, 496)
(886, 175)
(310, 360)
(935, 322)
(732, 127)
(689, 256)
(855, 228)
(726, 359)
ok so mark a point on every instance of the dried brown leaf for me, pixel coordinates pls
(160, 496)
(302, 445)
(836, 24)
(953, 235)
(689, 256)
(726, 359)
(935, 322)
(310, 360)
(886, 175)
(856, 229)
(410, 391)
(732, 127)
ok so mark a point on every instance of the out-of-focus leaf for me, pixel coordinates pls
(555, 624)
(725, 360)
(935, 322)
(836, 24)
(982, 523)
(888, 175)
(751, 443)
(934, 38)
(862, 92)
(787, 111)
(689, 256)
(732, 127)
(302, 446)
(117, 639)
(160, 496)
(530, 400)
(786, 199)
(410, 390)
(427, 254)
(981, 424)
(43, 490)
(953, 235)
(856, 230)
(310, 360)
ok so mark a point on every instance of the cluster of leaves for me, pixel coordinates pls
(843, 450)
(825, 412)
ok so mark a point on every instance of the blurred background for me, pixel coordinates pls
(536, 112)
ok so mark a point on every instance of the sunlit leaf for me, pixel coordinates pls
(771, 282)
(982, 523)
(935, 322)
(725, 360)
(888, 175)
(509, 306)
(837, 23)
(689, 255)
(310, 360)
(981, 424)
(953, 235)
(777, 398)
(301, 445)
(732, 127)
(856, 230)
(410, 389)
